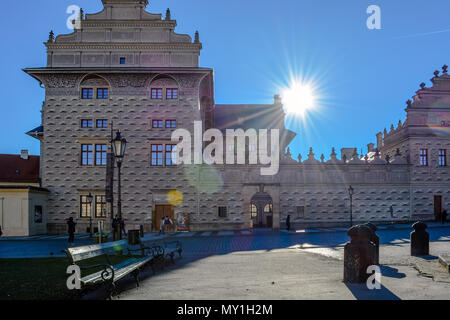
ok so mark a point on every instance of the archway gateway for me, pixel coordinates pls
(261, 210)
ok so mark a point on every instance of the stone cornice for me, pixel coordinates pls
(126, 46)
(129, 24)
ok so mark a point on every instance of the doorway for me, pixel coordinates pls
(162, 211)
(437, 207)
(261, 209)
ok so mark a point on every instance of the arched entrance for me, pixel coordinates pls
(261, 210)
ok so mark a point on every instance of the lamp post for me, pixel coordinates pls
(119, 145)
(350, 193)
(90, 198)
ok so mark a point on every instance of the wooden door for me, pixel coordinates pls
(161, 212)
(437, 207)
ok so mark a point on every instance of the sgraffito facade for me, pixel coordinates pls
(127, 68)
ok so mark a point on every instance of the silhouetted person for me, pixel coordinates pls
(71, 230)
(444, 216)
(115, 227)
(288, 222)
(122, 226)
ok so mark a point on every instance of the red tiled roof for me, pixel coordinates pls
(15, 169)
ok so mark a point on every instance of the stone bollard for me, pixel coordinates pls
(359, 254)
(375, 240)
(420, 240)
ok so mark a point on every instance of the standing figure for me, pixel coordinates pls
(167, 223)
(444, 216)
(288, 222)
(115, 227)
(71, 230)
(161, 226)
(122, 226)
(391, 211)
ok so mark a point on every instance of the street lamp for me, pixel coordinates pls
(119, 145)
(90, 198)
(350, 193)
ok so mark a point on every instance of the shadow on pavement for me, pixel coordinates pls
(392, 272)
(361, 292)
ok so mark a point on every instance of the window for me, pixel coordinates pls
(86, 123)
(171, 158)
(268, 208)
(100, 154)
(38, 214)
(100, 206)
(157, 124)
(172, 94)
(102, 93)
(424, 157)
(157, 155)
(157, 93)
(87, 93)
(222, 212)
(102, 123)
(123, 60)
(301, 211)
(254, 210)
(86, 155)
(85, 207)
(171, 123)
(442, 157)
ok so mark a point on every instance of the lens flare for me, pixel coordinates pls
(175, 197)
(298, 98)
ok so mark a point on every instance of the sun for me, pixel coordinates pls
(298, 98)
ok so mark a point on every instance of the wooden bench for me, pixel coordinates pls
(109, 274)
(162, 250)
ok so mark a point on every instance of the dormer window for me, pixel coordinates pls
(123, 60)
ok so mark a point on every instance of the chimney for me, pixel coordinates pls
(379, 140)
(24, 154)
(370, 147)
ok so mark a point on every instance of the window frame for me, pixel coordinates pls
(87, 152)
(103, 122)
(102, 204)
(159, 121)
(157, 96)
(157, 155)
(423, 157)
(86, 127)
(173, 148)
(171, 121)
(85, 205)
(103, 90)
(123, 60)
(89, 96)
(442, 158)
(103, 154)
(174, 93)
(222, 211)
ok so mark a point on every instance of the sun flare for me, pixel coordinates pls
(298, 98)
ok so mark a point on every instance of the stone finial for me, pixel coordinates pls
(436, 73)
(311, 153)
(168, 16)
(385, 131)
(197, 37)
(322, 158)
(81, 14)
(422, 85)
(299, 158)
(392, 129)
(51, 37)
(288, 152)
(400, 124)
(408, 103)
(444, 68)
(333, 152)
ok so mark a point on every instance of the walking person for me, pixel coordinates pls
(71, 230)
(167, 223)
(161, 226)
(391, 211)
(444, 217)
(288, 223)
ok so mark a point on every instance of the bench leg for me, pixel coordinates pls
(172, 255)
(136, 277)
(111, 290)
(179, 252)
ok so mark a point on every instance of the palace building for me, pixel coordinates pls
(128, 69)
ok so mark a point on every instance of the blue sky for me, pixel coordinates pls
(363, 77)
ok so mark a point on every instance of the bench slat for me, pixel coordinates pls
(92, 251)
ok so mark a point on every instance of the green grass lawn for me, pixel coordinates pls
(39, 279)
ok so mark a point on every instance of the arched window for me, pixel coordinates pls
(268, 208)
(94, 87)
(164, 88)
